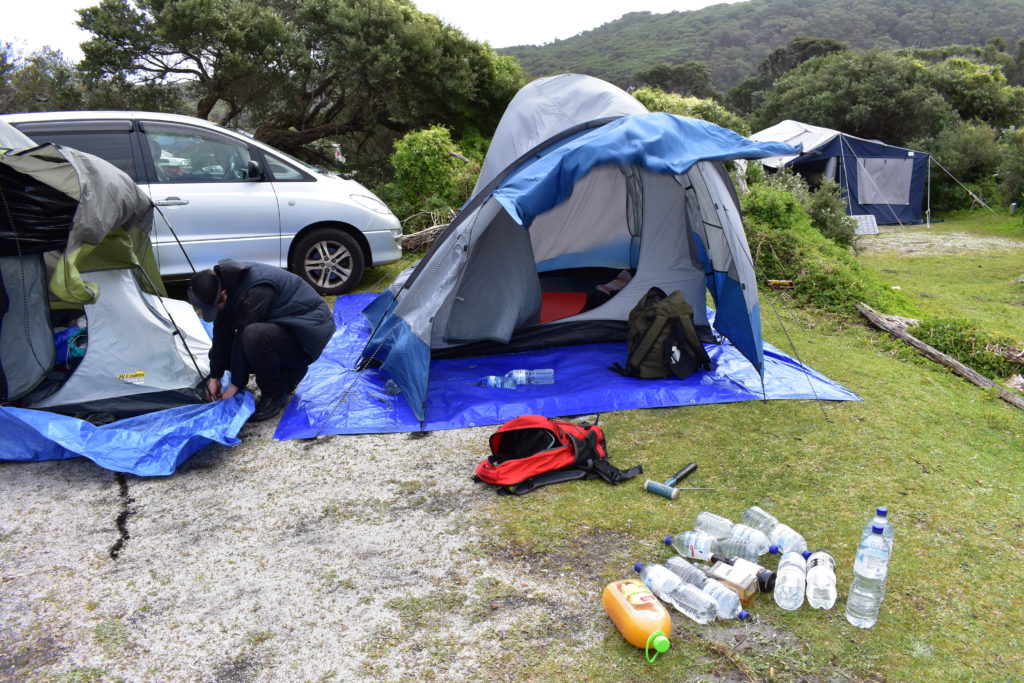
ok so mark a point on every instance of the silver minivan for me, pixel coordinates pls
(221, 194)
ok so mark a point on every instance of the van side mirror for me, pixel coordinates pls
(255, 171)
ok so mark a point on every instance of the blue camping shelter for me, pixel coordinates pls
(880, 180)
(581, 187)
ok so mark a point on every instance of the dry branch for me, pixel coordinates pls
(930, 352)
(421, 239)
(1010, 353)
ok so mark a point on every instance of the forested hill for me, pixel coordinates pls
(733, 39)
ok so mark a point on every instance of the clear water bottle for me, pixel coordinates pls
(498, 382)
(702, 546)
(542, 376)
(790, 580)
(780, 534)
(821, 580)
(723, 527)
(869, 573)
(728, 600)
(881, 519)
(685, 597)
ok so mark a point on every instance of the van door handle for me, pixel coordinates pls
(171, 201)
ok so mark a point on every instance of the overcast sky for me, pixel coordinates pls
(33, 24)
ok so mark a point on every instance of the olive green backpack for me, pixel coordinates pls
(662, 340)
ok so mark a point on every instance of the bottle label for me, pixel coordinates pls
(698, 547)
(816, 560)
(635, 592)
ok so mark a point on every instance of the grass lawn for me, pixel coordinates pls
(945, 456)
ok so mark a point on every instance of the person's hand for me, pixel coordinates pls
(213, 389)
(230, 391)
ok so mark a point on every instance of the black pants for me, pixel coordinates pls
(275, 357)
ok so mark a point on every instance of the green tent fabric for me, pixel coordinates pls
(110, 227)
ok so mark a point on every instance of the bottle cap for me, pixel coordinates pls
(659, 641)
(806, 554)
(882, 511)
(875, 529)
(638, 566)
(668, 540)
(773, 549)
(743, 615)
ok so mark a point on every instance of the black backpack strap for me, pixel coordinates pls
(645, 345)
(688, 334)
(589, 459)
(553, 477)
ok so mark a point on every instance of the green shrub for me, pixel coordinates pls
(1011, 166)
(970, 153)
(963, 341)
(824, 206)
(786, 246)
(694, 107)
(433, 178)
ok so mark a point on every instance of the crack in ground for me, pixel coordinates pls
(122, 517)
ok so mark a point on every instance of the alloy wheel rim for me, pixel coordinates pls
(328, 264)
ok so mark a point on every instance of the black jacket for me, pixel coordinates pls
(262, 293)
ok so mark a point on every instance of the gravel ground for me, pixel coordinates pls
(921, 240)
(344, 558)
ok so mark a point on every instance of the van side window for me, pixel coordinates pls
(282, 171)
(112, 146)
(184, 156)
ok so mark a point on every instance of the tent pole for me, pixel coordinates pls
(928, 195)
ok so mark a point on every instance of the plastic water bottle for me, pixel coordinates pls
(702, 546)
(542, 376)
(781, 535)
(881, 519)
(688, 599)
(869, 573)
(723, 527)
(790, 580)
(821, 580)
(498, 382)
(728, 600)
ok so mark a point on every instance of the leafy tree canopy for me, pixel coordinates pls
(361, 73)
(875, 95)
(733, 38)
(690, 78)
(694, 107)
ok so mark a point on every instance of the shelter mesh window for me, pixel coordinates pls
(884, 181)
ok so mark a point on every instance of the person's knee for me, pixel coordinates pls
(257, 334)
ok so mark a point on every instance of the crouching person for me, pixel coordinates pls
(267, 322)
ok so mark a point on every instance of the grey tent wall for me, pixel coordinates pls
(26, 338)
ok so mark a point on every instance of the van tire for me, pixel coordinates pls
(330, 260)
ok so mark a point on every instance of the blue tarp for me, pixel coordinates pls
(147, 445)
(335, 399)
(659, 142)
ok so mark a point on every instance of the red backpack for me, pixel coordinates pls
(532, 451)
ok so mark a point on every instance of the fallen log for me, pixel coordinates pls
(1010, 353)
(422, 239)
(932, 353)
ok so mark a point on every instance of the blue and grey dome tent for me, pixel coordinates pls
(580, 183)
(880, 180)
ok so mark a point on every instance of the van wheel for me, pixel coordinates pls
(330, 260)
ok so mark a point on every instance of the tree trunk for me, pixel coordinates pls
(930, 352)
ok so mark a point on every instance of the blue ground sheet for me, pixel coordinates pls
(336, 399)
(148, 445)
